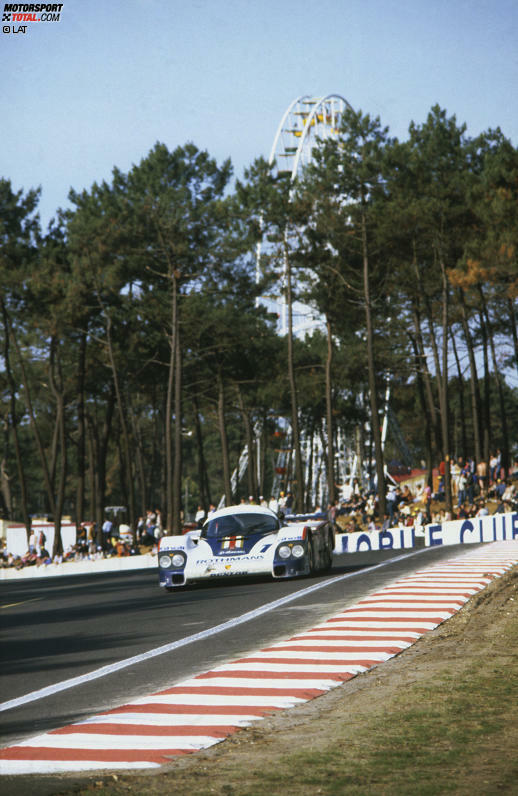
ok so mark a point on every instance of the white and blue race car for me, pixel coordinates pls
(246, 540)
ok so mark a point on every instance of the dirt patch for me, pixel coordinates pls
(441, 717)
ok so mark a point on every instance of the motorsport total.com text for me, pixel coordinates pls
(27, 12)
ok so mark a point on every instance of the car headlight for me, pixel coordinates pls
(164, 561)
(297, 550)
(178, 560)
(284, 551)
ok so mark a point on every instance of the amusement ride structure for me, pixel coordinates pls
(307, 121)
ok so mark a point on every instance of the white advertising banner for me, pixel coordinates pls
(392, 539)
(492, 528)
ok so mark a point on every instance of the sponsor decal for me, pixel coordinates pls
(18, 17)
(218, 561)
(232, 543)
(166, 548)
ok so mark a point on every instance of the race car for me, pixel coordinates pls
(246, 540)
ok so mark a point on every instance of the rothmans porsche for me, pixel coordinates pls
(246, 540)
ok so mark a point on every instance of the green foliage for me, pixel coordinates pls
(90, 309)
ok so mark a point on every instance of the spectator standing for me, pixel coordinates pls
(455, 474)
(159, 529)
(41, 541)
(347, 491)
(462, 488)
(107, 532)
(391, 503)
(273, 504)
(482, 474)
(427, 493)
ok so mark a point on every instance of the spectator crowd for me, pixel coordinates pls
(476, 491)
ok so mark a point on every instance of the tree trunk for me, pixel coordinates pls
(205, 495)
(463, 434)
(92, 481)
(261, 458)
(310, 496)
(80, 449)
(331, 489)
(250, 442)
(443, 391)
(473, 378)
(53, 456)
(14, 426)
(56, 385)
(169, 409)
(224, 440)
(426, 413)
(499, 386)
(375, 420)
(32, 418)
(128, 458)
(99, 441)
(136, 435)
(486, 406)
(177, 466)
(299, 469)
(424, 371)
(439, 378)
(514, 332)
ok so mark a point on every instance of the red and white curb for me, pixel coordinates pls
(202, 711)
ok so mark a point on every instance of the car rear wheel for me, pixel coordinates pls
(311, 557)
(328, 552)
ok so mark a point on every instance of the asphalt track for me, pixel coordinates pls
(69, 627)
(66, 627)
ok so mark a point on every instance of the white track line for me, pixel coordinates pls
(231, 623)
(202, 711)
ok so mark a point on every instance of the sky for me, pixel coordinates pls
(102, 85)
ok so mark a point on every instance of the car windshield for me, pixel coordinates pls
(240, 525)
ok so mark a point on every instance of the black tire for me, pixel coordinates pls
(330, 546)
(311, 557)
